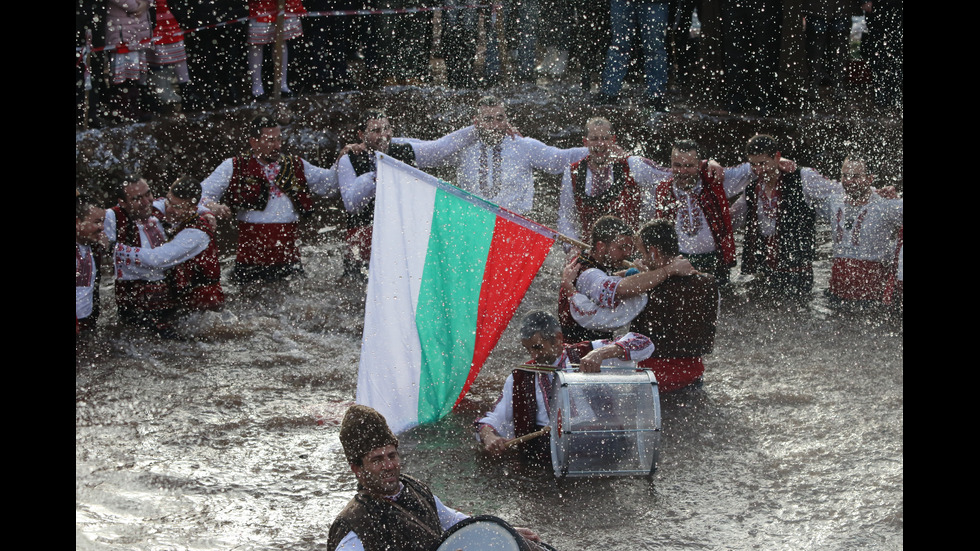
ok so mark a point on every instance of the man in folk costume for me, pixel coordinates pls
(168, 57)
(523, 404)
(598, 293)
(189, 258)
(500, 165)
(89, 247)
(696, 200)
(605, 182)
(780, 222)
(864, 227)
(680, 314)
(143, 299)
(358, 182)
(269, 193)
(391, 510)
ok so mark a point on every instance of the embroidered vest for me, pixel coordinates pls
(622, 199)
(197, 282)
(714, 204)
(795, 229)
(249, 189)
(409, 523)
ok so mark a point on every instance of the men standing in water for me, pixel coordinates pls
(143, 299)
(593, 284)
(780, 221)
(391, 510)
(269, 192)
(356, 175)
(89, 245)
(864, 228)
(696, 201)
(523, 404)
(500, 166)
(189, 260)
(605, 182)
(680, 313)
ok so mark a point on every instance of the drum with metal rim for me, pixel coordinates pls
(483, 533)
(604, 424)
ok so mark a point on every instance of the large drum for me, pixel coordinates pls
(604, 424)
(486, 533)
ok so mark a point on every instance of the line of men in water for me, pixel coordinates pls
(165, 257)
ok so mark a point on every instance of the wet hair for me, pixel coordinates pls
(186, 189)
(609, 228)
(686, 145)
(856, 156)
(119, 186)
(762, 144)
(542, 322)
(660, 234)
(368, 116)
(260, 123)
(487, 101)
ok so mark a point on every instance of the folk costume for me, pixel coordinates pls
(262, 31)
(703, 221)
(602, 293)
(88, 259)
(503, 173)
(522, 407)
(269, 200)
(143, 297)
(414, 519)
(358, 184)
(680, 318)
(864, 239)
(623, 189)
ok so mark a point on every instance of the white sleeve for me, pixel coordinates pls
(434, 152)
(737, 178)
(568, 222)
(109, 226)
(646, 173)
(817, 188)
(638, 347)
(599, 287)
(356, 191)
(551, 159)
(321, 181)
(184, 246)
(501, 418)
(214, 186)
(448, 517)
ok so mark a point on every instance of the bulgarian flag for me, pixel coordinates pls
(448, 270)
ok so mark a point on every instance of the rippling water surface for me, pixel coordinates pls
(229, 440)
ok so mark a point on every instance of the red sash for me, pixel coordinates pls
(853, 279)
(674, 373)
(267, 244)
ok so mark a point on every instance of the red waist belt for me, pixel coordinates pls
(674, 373)
(854, 279)
(267, 244)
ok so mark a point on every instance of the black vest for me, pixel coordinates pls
(362, 163)
(795, 229)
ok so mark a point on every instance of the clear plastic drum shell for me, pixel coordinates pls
(616, 433)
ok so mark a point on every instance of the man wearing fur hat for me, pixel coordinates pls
(391, 510)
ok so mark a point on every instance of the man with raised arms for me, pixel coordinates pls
(356, 175)
(269, 192)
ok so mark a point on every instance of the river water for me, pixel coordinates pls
(229, 439)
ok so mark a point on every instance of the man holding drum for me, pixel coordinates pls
(391, 510)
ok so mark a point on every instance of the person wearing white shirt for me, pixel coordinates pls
(500, 166)
(268, 192)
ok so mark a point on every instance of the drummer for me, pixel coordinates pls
(522, 408)
(391, 510)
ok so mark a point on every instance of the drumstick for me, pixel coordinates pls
(526, 437)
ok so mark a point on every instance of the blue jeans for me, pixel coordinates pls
(624, 18)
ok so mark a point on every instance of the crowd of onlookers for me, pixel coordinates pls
(140, 58)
